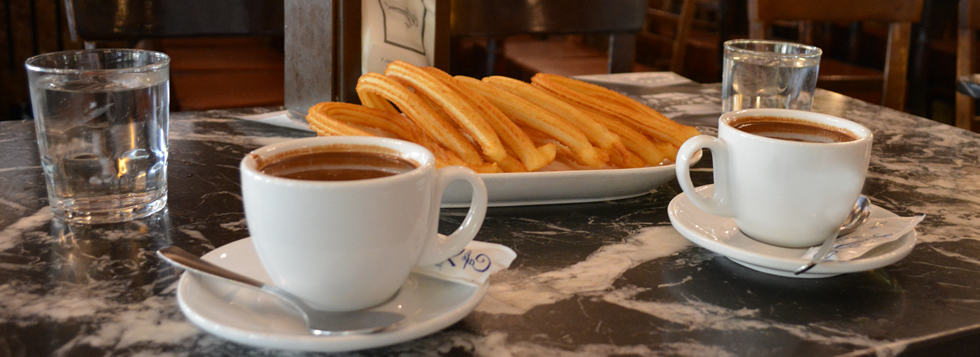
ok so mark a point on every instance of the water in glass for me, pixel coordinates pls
(768, 80)
(103, 143)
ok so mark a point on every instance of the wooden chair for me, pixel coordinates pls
(686, 36)
(666, 31)
(28, 28)
(836, 75)
(969, 23)
(224, 53)
(494, 20)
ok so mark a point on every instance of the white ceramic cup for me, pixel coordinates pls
(780, 192)
(350, 245)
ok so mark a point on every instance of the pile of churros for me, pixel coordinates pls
(500, 124)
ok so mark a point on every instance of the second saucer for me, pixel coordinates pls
(720, 235)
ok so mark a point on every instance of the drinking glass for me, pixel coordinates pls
(102, 119)
(768, 74)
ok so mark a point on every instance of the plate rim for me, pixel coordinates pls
(558, 177)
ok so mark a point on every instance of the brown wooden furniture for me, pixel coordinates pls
(27, 28)
(224, 53)
(673, 30)
(969, 23)
(837, 75)
(323, 57)
(619, 20)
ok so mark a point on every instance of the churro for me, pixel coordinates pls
(374, 87)
(516, 140)
(332, 118)
(501, 124)
(602, 100)
(597, 133)
(531, 115)
(452, 104)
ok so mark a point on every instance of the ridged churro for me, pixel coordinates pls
(516, 140)
(533, 116)
(374, 87)
(613, 104)
(452, 104)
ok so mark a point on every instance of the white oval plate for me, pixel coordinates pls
(559, 184)
(719, 235)
(250, 317)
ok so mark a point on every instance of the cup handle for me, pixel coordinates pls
(440, 248)
(719, 204)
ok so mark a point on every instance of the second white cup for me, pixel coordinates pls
(349, 245)
(788, 177)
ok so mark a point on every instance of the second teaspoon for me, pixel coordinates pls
(859, 213)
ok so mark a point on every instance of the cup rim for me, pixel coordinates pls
(810, 51)
(864, 134)
(249, 164)
(32, 63)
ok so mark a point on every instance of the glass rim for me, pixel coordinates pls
(808, 50)
(32, 65)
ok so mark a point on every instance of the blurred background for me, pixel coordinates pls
(229, 53)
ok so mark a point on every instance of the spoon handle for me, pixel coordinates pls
(183, 259)
(859, 214)
(318, 322)
(821, 254)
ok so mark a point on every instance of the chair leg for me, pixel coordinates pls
(964, 60)
(679, 52)
(622, 52)
(896, 65)
(965, 111)
(493, 46)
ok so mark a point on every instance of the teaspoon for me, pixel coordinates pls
(318, 322)
(859, 213)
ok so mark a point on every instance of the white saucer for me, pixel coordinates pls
(253, 318)
(719, 235)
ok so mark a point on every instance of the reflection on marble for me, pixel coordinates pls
(606, 278)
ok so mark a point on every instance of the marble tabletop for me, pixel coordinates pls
(604, 278)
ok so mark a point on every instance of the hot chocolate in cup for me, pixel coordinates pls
(341, 221)
(787, 177)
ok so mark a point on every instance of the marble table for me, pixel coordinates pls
(604, 278)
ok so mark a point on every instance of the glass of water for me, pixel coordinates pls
(768, 74)
(103, 121)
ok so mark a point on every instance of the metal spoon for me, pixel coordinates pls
(318, 322)
(859, 213)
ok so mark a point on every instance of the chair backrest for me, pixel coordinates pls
(667, 26)
(900, 14)
(969, 23)
(620, 19)
(113, 20)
